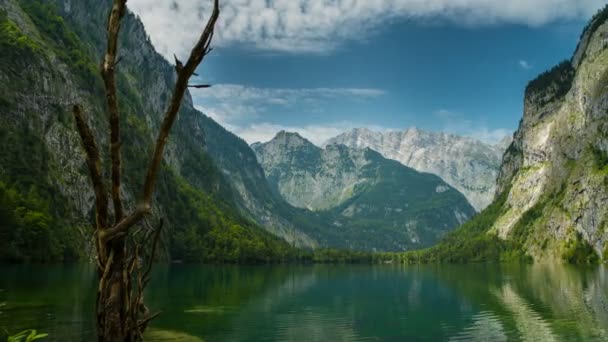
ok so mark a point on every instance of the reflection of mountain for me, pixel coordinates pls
(530, 325)
(486, 326)
(533, 303)
(347, 303)
(275, 319)
(570, 293)
(330, 303)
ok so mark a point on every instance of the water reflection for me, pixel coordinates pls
(486, 326)
(328, 303)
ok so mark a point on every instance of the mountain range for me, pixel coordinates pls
(224, 202)
(466, 164)
(212, 191)
(370, 197)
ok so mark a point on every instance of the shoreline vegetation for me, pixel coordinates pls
(27, 219)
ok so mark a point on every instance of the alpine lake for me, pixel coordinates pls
(479, 302)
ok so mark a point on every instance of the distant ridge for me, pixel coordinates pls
(466, 164)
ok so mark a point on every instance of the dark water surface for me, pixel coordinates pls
(327, 303)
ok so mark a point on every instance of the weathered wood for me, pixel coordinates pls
(94, 165)
(107, 72)
(121, 312)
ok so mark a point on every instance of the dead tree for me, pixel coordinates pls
(121, 312)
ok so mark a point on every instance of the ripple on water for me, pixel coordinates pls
(486, 326)
(314, 326)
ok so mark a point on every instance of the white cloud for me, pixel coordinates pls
(317, 134)
(282, 96)
(525, 64)
(319, 26)
(232, 104)
(456, 123)
(241, 109)
(489, 136)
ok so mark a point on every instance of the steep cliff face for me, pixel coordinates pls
(468, 165)
(210, 182)
(556, 170)
(233, 156)
(310, 177)
(370, 202)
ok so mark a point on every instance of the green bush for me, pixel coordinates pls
(28, 231)
(600, 158)
(13, 42)
(579, 251)
(66, 44)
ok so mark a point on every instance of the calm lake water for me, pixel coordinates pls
(327, 303)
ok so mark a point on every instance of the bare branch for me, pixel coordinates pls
(196, 57)
(153, 252)
(208, 51)
(94, 165)
(109, 78)
(121, 312)
(122, 227)
(208, 42)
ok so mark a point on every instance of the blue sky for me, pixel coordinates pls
(325, 66)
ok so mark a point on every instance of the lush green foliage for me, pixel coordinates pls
(32, 225)
(579, 251)
(13, 42)
(66, 44)
(36, 224)
(521, 231)
(472, 242)
(600, 158)
(207, 231)
(28, 232)
(556, 82)
(332, 255)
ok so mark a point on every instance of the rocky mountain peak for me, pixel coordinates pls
(468, 165)
(290, 139)
(372, 201)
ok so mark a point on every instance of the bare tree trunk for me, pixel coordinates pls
(121, 312)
